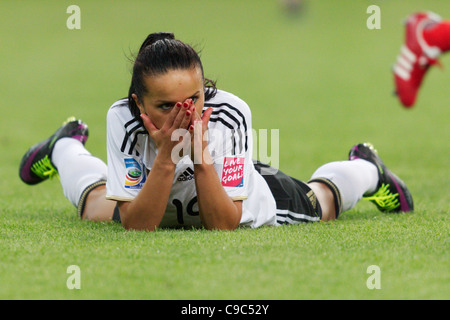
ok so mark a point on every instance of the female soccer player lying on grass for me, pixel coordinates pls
(153, 181)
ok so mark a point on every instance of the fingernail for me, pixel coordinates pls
(191, 127)
(188, 113)
(185, 105)
(178, 104)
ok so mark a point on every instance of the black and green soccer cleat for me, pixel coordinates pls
(36, 165)
(392, 194)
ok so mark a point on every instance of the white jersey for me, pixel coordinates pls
(131, 153)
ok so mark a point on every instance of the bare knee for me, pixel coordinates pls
(97, 208)
(326, 200)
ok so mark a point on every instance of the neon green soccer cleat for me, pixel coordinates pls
(36, 165)
(392, 194)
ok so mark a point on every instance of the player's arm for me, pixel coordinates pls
(216, 209)
(146, 211)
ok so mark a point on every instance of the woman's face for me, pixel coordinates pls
(165, 90)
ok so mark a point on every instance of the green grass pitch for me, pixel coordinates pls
(323, 78)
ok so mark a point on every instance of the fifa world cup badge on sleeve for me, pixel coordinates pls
(233, 172)
(135, 174)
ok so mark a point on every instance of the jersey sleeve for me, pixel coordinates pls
(230, 144)
(126, 172)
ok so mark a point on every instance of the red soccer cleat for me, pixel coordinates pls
(415, 58)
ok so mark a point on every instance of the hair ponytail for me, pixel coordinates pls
(153, 37)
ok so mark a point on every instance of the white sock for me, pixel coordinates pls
(77, 168)
(353, 179)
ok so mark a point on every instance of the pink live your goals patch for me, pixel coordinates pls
(233, 172)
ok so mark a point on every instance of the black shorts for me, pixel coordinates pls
(295, 201)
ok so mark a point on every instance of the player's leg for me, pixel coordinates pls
(83, 179)
(326, 198)
(96, 207)
(438, 35)
(347, 182)
(82, 176)
(364, 175)
(427, 36)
